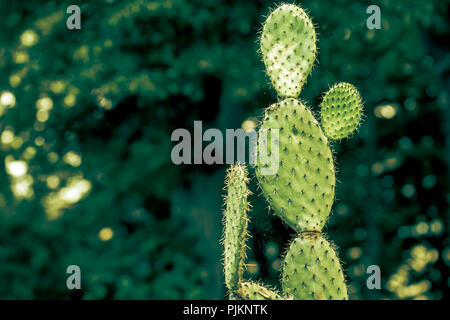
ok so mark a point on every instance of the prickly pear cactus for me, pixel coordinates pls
(312, 269)
(341, 111)
(235, 221)
(301, 191)
(288, 46)
(254, 291)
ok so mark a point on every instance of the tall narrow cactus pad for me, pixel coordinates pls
(288, 47)
(302, 191)
(341, 111)
(254, 291)
(312, 270)
(235, 225)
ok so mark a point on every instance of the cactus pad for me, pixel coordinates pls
(312, 270)
(340, 111)
(302, 191)
(288, 47)
(235, 225)
(295, 170)
(253, 291)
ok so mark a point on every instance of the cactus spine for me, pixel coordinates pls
(301, 192)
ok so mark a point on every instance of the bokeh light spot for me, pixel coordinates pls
(106, 234)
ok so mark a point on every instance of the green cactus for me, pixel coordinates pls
(301, 192)
(288, 46)
(235, 221)
(312, 269)
(341, 111)
(235, 236)
(254, 291)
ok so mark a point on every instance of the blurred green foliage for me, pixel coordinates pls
(85, 124)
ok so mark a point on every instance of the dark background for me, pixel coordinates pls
(85, 122)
